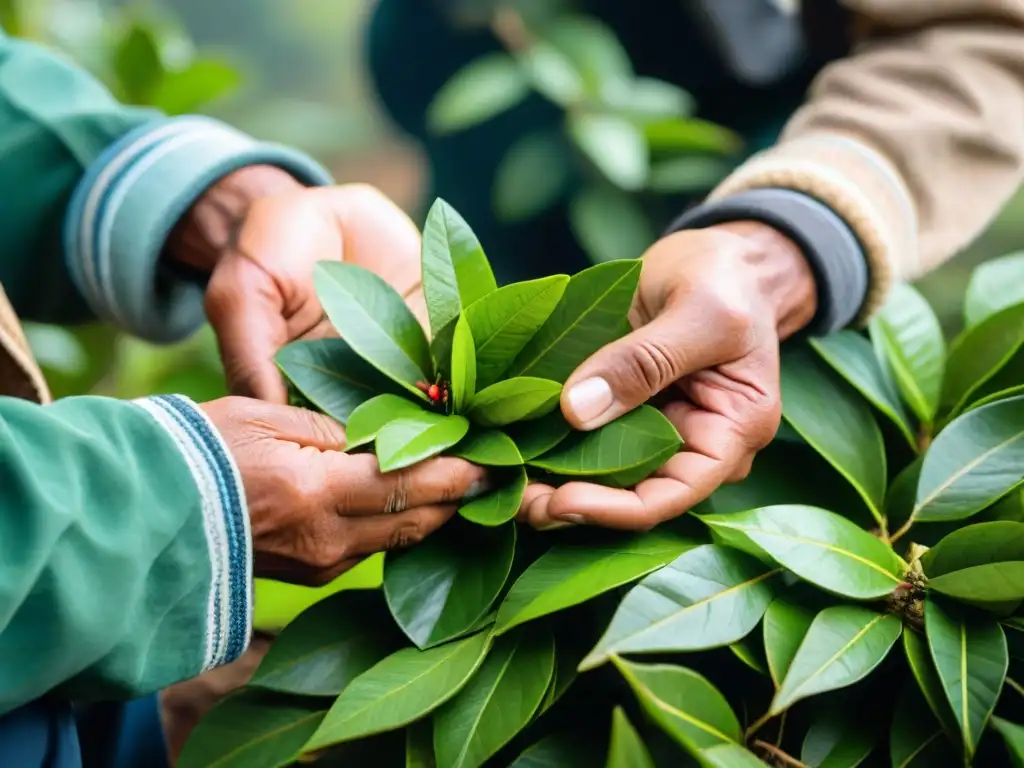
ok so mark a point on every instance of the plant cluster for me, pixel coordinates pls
(856, 601)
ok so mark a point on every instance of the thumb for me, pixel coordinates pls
(628, 372)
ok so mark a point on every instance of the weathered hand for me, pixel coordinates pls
(710, 311)
(315, 511)
(260, 233)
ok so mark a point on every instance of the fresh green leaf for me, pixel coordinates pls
(489, 448)
(980, 564)
(497, 703)
(331, 376)
(836, 421)
(439, 589)
(186, 91)
(971, 660)
(1013, 735)
(853, 358)
(252, 729)
(630, 441)
(902, 494)
(517, 399)
(994, 285)
(498, 506)
(552, 73)
(910, 335)
(328, 645)
(836, 739)
(1001, 394)
(532, 177)
(561, 750)
(785, 625)
(487, 86)
(503, 322)
(916, 739)
(609, 224)
(843, 645)
(707, 597)
(685, 174)
(399, 690)
(690, 135)
(371, 416)
(977, 354)
(751, 654)
(593, 49)
(456, 272)
(820, 547)
(589, 316)
(627, 749)
(463, 367)
(683, 703)
(419, 745)
(375, 321)
(729, 756)
(138, 63)
(647, 98)
(537, 437)
(972, 463)
(410, 440)
(629, 478)
(568, 575)
(615, 145)
(928, 683)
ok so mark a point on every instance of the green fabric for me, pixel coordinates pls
(54, 121)
(104, 568)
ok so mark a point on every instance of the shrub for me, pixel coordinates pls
(855, 601)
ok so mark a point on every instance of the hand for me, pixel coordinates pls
(259, 233)
(710, 311)
(316, 512)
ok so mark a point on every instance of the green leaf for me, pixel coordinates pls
(561, 750)
(503, 322)
(591, 314)
(836, 422)
(972, 463)
(994, 285)
(399, 690)
(683, 704)
(687, 175)
(785, 625)
(730, 756)
(497, 703)
(676, 134)
(909, 333)
(751, 654)
(410, 440)
(707, 597)
(498, 506)
(488, 448)
(138, 63)
(532, 176)
(331, 376)
(843, 645)
(441, 588)
(928, 683)
(252, 729)
(977, 354)
(463, 367)
(480, 90)
(419, 745)
(1001, 394)
(971, 660)
(1013, 735)
(375, 321)
(836, 739)
(569, 575)
(328, 645)
(593, 49)
(517, 399)
(818, 546)
(630, 441)
(615, 145)
(456, 272)
(980, 564)
(186, 91)
(537, 437)
(627, 749)
(645, 98)
(916, 739)
(609, 224)
(629, 478)
(367, 420)
(853, 358)
(552, 73)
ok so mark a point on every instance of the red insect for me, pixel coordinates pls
(436, 393)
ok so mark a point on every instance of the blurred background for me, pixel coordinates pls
(293, 71)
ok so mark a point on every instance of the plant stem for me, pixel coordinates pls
(757, 725)
(779, 754)
(902, 530)
(1015, 685)
(782, 729)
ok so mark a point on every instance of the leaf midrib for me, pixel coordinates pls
(963, 471)
(487, 700)
(265, 736)
(508, 321)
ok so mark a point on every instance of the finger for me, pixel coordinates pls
(307, 429)
(381, 533)
(360, 488)
(616, 379)
(533, 510)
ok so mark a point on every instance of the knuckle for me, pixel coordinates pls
(405, 535)
(397, 497)
(654, 364)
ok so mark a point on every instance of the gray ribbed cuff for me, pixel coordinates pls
(829, 245)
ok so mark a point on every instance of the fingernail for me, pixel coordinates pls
(590, 398)
(574, 519)
(476, 489)
(555, 525)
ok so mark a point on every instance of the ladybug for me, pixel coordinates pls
(437, 393)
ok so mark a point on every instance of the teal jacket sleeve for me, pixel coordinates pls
(91, 189)
(125, 555)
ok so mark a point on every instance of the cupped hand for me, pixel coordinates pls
(708, 317)
(315, 512)
(259, 233)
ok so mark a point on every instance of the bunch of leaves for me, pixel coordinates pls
(856, 601)
(623, 135)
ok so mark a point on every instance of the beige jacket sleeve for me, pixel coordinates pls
(916, 139)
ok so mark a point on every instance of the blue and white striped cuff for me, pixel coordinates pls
(225, 523)
(130, 199)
